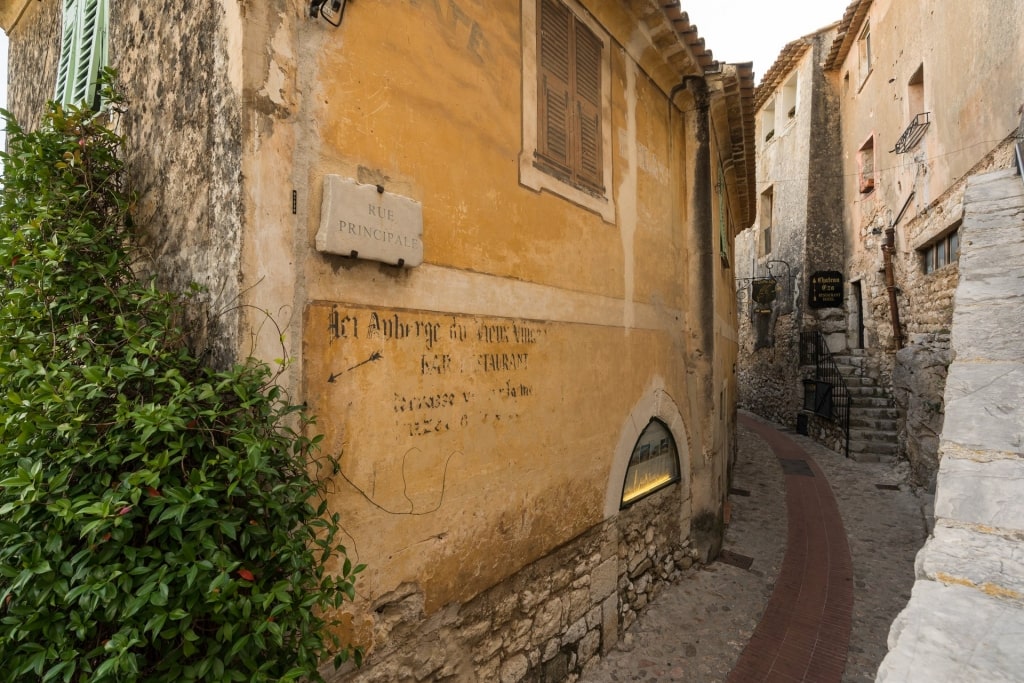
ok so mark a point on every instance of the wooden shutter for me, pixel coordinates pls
(92, 38)
(553, 105)
(68, 50)
(589, 166)
(83, 51)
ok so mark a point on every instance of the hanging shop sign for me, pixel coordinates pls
(763, 293)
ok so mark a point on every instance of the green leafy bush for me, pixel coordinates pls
(159, 520)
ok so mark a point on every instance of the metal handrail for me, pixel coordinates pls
(817, 353)
(1020, 159)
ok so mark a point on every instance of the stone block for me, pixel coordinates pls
(589, 645)
(991, 563)
(985, 493)
(604, 579)
(551, 648)
(548, 621)
(983, 406)
(610, 624)
(579, 603)
(575, 632)
(949, 633)
(514, 669)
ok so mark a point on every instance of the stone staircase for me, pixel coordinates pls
(873, 412)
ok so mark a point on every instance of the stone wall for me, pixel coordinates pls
(919, 379)
(966, 612)
(549, 621)
(183, 141)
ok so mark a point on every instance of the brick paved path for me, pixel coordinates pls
(697, 629)
(805, 631)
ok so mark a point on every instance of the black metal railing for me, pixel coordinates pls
(913, 134)
(1019, 149)
(827, 394)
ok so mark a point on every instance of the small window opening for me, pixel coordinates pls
(653, 465)
(915, 93)
(768, 121)
(789, 94)
(866, 160)
(767, 214)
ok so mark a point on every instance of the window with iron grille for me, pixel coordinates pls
(569, 97)
(83, 52)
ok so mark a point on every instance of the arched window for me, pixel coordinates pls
(653, 465)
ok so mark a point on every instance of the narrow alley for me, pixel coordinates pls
(740, 619)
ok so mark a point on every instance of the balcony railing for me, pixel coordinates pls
(913, 134)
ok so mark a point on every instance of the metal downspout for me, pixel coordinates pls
(888, 250)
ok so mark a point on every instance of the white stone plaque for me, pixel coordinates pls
(359, 221)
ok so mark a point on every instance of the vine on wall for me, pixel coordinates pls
(159, 520)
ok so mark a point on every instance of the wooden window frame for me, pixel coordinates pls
(561, 153)
(83, 52)
(864, 56)
(941, 252)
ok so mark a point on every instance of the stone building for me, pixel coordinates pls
(795, 232)
(905, 122)
(493, 241)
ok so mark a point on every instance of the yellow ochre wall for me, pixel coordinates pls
(484, 403)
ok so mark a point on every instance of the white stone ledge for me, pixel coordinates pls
(983, 493)
(987, 562)
(983, 406)
(953, 633)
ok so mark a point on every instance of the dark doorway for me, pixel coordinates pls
(858, 312)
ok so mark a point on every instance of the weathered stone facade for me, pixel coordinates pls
(184, 139)
(797, 230)
(896, 129)
(484, 398)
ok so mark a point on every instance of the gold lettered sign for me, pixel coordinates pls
(826, 290)
(763, 293)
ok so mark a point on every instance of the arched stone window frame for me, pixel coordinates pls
(656, 403)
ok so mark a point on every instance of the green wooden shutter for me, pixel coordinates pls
(587, 65)
(553, 115)
(83, 51)
(68, 50)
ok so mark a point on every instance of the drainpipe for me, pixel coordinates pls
(888, 249)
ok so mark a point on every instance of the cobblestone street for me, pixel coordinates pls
(697, 629)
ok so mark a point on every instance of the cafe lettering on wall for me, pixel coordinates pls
(363, 221)
(826, 289)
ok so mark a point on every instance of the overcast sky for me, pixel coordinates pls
(756, 30)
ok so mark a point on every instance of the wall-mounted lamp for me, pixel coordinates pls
(332, 16)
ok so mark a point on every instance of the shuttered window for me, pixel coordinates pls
(83, 52)
(569, 97)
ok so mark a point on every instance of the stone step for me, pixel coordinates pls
(872, 435)
(879, 448)
(871, 457)
(871, 402)
(881, 425)
(868, 391)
